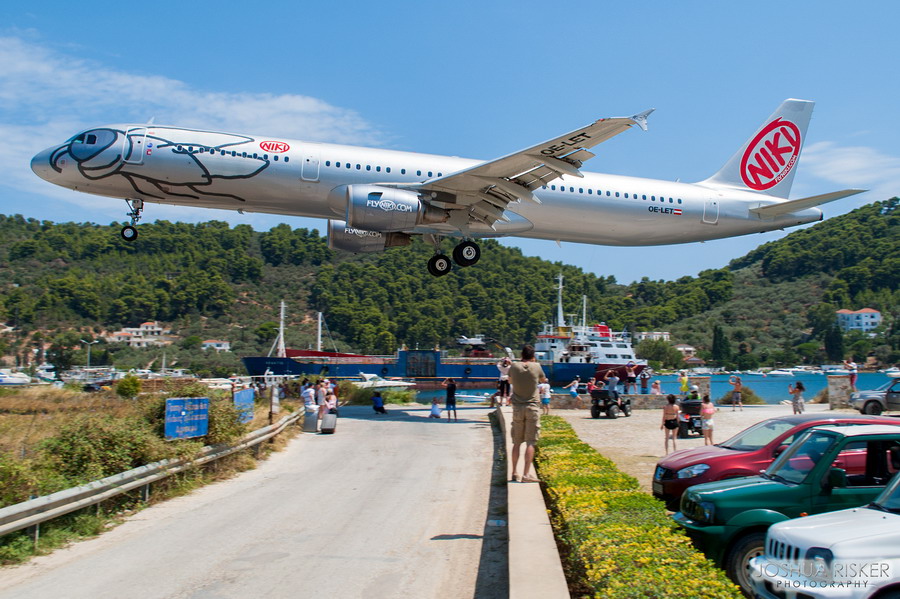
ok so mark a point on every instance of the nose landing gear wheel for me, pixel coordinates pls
(439, 265)
(466, 253)
(129, 233)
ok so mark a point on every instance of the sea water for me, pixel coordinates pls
(771, 389)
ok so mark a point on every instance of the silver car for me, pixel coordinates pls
(876, 401)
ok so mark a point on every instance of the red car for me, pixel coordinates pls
(745, 454)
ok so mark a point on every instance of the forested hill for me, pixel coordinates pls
(216, 281)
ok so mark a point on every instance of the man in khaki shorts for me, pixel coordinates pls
(526, 426)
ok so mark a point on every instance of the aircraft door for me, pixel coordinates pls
(134, 145)
(310, 168)
(711, 211)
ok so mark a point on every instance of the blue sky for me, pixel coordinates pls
(478, 80)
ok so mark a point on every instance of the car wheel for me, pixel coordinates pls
(872, 408)
(737, 562)
(595, 411)
(612, 411)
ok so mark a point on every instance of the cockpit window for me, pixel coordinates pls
(91, 139)
(89, 144)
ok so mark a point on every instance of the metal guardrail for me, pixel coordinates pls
(41, 509)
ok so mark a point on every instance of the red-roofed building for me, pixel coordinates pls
(859, 320)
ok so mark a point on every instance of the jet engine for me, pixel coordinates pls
(350, 239)
(385, 209)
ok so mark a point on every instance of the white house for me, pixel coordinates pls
(216, 344)
(860, 320)
(149, 334)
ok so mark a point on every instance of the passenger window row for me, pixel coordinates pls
(232, 153)
(378, 169)
(617, 194)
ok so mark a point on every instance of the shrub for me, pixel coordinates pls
(129, 386)
(748, 398)
(619, 541)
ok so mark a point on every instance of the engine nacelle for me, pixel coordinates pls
(386, 209)
(350, 239)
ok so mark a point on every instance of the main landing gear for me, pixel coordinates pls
(465, 254)
(129, 232)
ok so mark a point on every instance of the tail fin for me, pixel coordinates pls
(767, 161)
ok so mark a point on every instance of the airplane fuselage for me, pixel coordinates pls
(169, 165)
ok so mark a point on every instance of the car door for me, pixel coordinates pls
(892, 396)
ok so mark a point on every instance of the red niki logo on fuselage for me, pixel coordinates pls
(276, 147)
(771, 155)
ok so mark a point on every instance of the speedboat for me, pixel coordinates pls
(373, 381)
(780, 372)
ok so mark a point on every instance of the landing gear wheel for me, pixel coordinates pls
(439, 265)
(466, 253)
(737, 562)
(129, 233)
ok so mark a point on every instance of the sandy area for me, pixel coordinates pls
(636, 443)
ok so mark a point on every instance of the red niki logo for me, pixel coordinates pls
(771, 155)
(276, 147)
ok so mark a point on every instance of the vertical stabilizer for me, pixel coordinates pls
(767, 161)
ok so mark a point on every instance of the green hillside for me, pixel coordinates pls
(62, 282)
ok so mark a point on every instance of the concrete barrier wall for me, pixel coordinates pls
(839, 391)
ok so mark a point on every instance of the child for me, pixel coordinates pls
(435, 408)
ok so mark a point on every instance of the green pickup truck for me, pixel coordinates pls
(828, 468)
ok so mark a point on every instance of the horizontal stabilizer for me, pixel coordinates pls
(782, 208)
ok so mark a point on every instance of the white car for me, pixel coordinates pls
(851, 553)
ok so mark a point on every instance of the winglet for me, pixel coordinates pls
(640, 119)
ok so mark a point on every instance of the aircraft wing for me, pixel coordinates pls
(479, 195)
(782, 208)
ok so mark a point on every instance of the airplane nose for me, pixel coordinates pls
(40, 164)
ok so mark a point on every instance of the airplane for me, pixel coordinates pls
(375, 199)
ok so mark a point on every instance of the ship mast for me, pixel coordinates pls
(279, 340)
(319, 334)
(560, 319)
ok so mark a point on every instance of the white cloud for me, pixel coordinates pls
(855, 166)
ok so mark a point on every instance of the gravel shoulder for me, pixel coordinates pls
(635, 443)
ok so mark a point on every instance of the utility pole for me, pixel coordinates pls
(89, 344)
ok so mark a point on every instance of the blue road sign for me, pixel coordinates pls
(187, 417)
(244, 402)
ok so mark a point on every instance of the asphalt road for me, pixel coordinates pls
(393, 506)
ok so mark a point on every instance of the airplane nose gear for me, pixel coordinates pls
(129, 232)
(439, 265)
(466, 253)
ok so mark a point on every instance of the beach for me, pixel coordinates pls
(635, 443)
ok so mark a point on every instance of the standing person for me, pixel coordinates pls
(853, 371)
(503, 384)
(796, 392)
(526, 426)
(670, 422)
(378, 403)
(309, 395)
(656, 388)
(645, 381)
(707, 410)
(630, 378)
(321, 395)
(450, 385)
(544, 392)
(573, 386)
(737, 387)
(684, 384)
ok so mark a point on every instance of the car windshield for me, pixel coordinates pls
(757, 436)
(801, 457)
(889, 499)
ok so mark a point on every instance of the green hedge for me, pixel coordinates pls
(619, 541)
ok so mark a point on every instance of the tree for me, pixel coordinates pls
(834, 343)
(721, 350)
(192, 342)
(129, 386)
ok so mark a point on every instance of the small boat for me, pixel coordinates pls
(373, 381)
(10, 379)
(780, 372)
